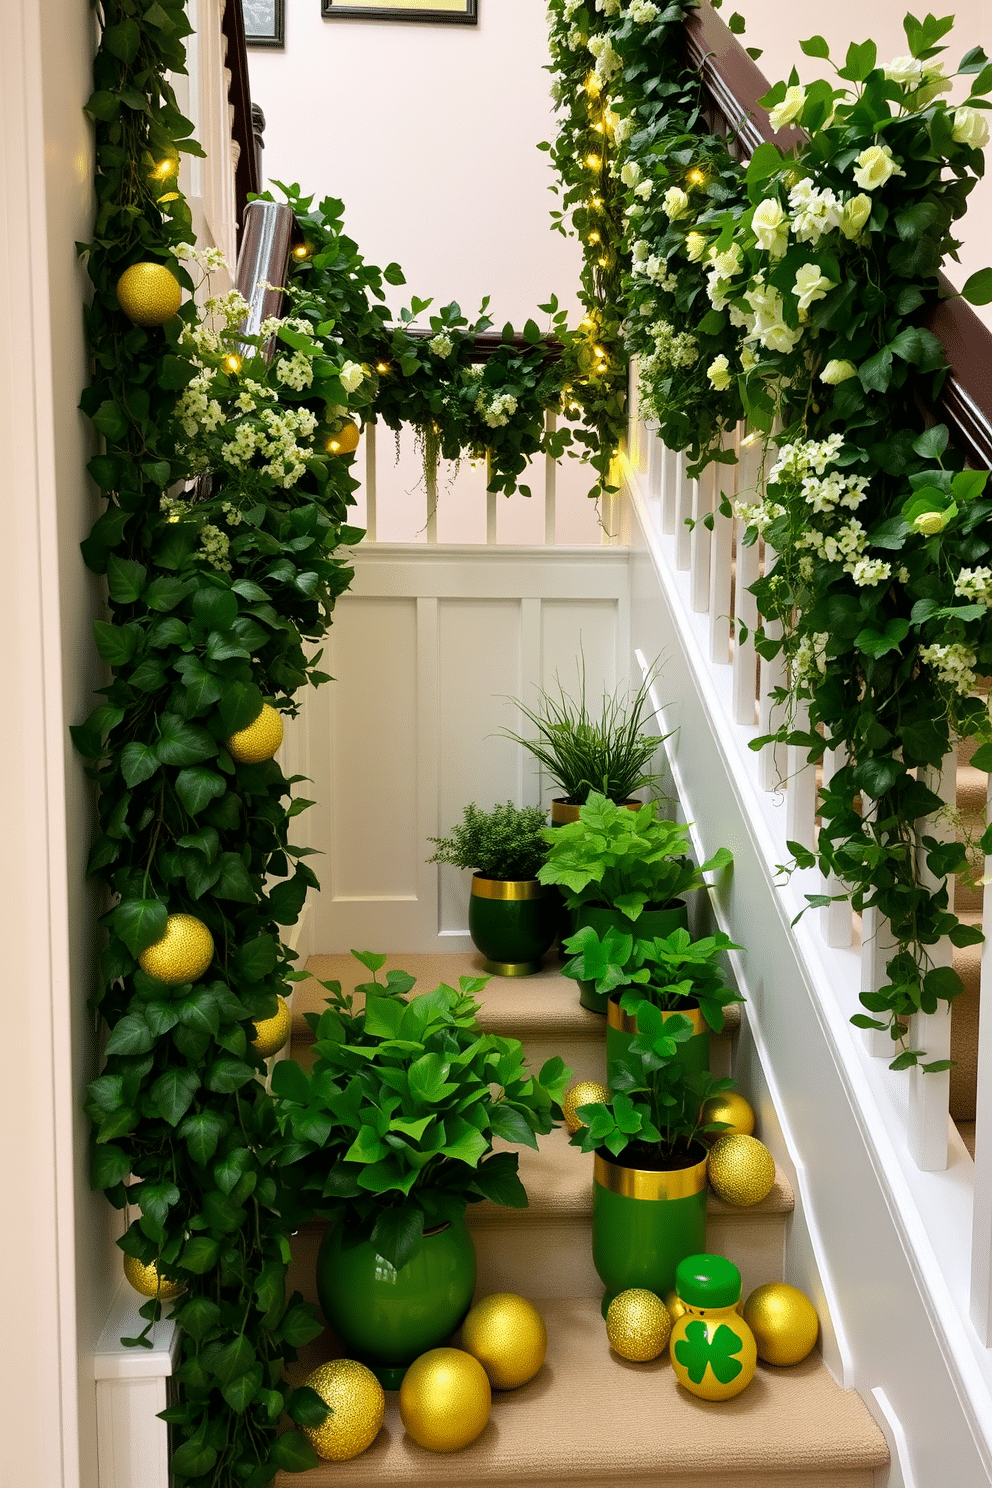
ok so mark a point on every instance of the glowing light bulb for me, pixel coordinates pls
(334, 445)
(592, 85)
(603, 262)
(301, 251)
(382, 368)
(164, 169)
(232, 362)
(601, 367)
(594, 237)
(587, 320)
(599, 351)
(696, 177)
(599, 128)
(594, 162)
(597, 201)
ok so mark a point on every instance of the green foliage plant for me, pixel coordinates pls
(393, 1129)
(670, 971)
(504, 843)
(629, 860)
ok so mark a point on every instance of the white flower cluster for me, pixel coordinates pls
(809, 659)
(672, 349)
(766, 322)
(954, 664)
(209, 259)
(295, 371)
(608, 60)
(441, 344)
(232, 307)
(643, 11)
(276, 436)
(196, 409)
(608, 7)
(974, 583)
(497, 410)
(215, 547)
(815, 212)
(920, 80)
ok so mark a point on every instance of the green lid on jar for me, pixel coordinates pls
(708, 1281)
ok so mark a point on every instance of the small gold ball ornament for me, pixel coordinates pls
(584, 1093)
(783, 1321)
(733, 1110)
(258, 740)
(149, 294)
(344, 440)
(358, 1404)
(147, 1281)
(272, 1033)
(637, 1324)
(445, 1400)
(183, 953)
(507, 1335)
(741, 1170)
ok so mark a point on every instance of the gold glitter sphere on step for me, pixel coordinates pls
(147, 1281)
(183, 953)
(733, 1110)
(507, 1335)
(259, 740)
(149, 294)
(272, 1033)
(783, 1321)
(637, 1324)
(445, 1400)
(741, 1170)
(358, 1404)
(584, 1093)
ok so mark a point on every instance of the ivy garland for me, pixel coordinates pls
(792, 291)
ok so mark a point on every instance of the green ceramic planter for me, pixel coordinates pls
(621, 1027)
(512, 922)
(387, 1318)
(649, 923)
(645, 1222)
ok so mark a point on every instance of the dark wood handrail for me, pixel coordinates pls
(733, 82)
(246, 176)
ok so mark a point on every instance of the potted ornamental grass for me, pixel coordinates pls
(674, 972)
(628, 869)
(512, 916)
(649, 1164)
(391, 1137)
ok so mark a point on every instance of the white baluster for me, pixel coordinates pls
(745, 604)
(771, 676)
(835, 918)
(550, 486)
(929, 1095)
(685, 501)
(981, 1227)
(877, 947)
(491, 518)
(656, 470)
(431, 487)
(671, 480)
(701, 539)
(370, 512)
(800, 806)
(721, 563)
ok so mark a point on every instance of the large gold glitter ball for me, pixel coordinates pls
(783, 1321)
(507, 1335)
(149, 294)
(344, 440)
(271, 1033)
(584, 1093)
(258, 740)
(182, 955)
(147, 1281)
(445, 1400)
(733, 1111)
(637, 1324)
(358, 1404)
(741, 1170)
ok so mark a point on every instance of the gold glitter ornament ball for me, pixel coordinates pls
(741, 1170)
(585, 1093)
(637, 1324)
(733, 1110)
(783, 1321)
(182, 955)
(507, 1335)
(149, 294)
(259, 740)
(358, 1404)
(445, 1400)
(272, 1033)
(147, 1281)
(344, 440)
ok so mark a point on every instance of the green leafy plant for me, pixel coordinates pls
(506, 842)
(396, 1123)
(582, 753)
(671, 971)
(629, 860)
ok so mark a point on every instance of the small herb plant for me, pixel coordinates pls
(504, 843)
(629, 860)
(654, 1112)
(396, 1123)
(583, 754)
(668, 970)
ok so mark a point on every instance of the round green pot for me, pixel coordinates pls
(645, 1222)
(649, 924)
(512, 922)
(621, 1027)
(386, 1317)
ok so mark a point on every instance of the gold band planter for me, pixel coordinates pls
(512, 922)
(621, 1027)
(565, 811)
(646, 1220)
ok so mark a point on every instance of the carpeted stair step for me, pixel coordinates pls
(590, 1418)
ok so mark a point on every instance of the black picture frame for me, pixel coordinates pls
(265, 22)
(467, 13)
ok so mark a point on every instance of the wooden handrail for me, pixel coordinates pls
(733, 83)
(246, 176)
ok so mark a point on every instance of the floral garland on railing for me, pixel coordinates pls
(793, 290)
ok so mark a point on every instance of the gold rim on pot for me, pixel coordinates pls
(627, 1022)
(643, 1183)
(507, 888)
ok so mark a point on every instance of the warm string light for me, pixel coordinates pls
(599, 127)
(696, 177)
(594, 237)
(382, 368)
(301, 251)
(232, 362)
(592, 85)
(594, 162)
(164, 169)
(596, 202)
(603, 262)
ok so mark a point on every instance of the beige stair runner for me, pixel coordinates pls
(590, 1418)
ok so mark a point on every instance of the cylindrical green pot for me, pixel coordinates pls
(386, 1317)
(621, 1027)
(649, 924)
(645, 1222)
(512, 922)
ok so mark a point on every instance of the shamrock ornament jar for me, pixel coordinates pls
(713, 1350)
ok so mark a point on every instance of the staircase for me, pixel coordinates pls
(590, 1417)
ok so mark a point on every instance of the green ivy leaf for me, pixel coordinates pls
(139, 923)
(293, 1453)
(202, 1131)
(199, 1255)
(173, 1093)
(977, 288)
(196, 788)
